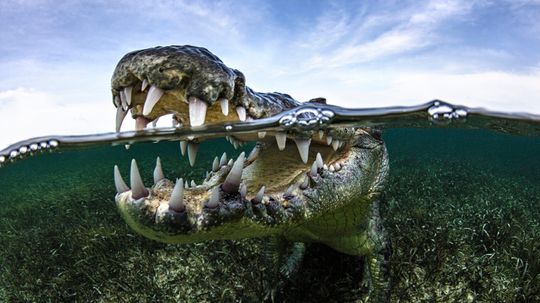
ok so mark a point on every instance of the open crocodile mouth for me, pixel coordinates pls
(275, 182)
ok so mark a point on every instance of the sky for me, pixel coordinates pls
(57, 57)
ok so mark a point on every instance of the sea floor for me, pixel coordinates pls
(462, 209)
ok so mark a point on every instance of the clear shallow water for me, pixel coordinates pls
(462, 209)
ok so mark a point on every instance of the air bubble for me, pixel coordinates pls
(43, 145)
(228, 127)
(53, 143)
(2, 159)
(23, 149)
(34, 147)
(13, 154)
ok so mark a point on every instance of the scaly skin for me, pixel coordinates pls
(335, 204)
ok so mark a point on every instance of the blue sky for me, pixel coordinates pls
(57, 56)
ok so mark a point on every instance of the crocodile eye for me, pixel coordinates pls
(161, 69)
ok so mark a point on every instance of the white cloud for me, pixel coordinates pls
(29, 113)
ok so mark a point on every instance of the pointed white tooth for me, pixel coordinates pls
(241, 111)
(119, 183)
(183, 146)
(137, 187)
(213, 201)
(305, 183)
(313, 170)
(176, 201)
(328, 140)
(127, 94)
(321, 134)
(127, 146)
(124, 101)
(144, 85)
(337, 166)
(260, 195)
(158, 171)
(186, 184)
(254, 154)
(243, 190)
(231, 162)
(192, 149)
(154, 123)
(235, 144)
(303, 148)
(261, 135)
(319, 160)
(215, 164)
(335, 144)
(224, 106)
(281, 139)
(120, 116)
(193, 184)
(232, 182)
(197, 111)
(325, 167)
(223, 159)
(152, 98)
(116, 101)
(290, 190)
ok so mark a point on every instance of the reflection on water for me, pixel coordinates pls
(462, 208)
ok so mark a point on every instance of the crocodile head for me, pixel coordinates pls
(303, 185)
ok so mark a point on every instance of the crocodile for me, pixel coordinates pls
(295, 186)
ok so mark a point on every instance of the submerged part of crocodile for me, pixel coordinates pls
(298, 186)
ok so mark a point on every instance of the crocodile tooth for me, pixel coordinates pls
(116, 101)
(243, 190)
(119, 183)
(127, 146)
(289, 190)
(223, 159)
(241, 111)
(120, 116)
(183, 146)
(224, 106)
(158, 171)
(193, 184)
(305, 183)
(319, 160)
(230, 163)
(337, 166)
(214, 198)
(253, 154)
(281, 139)
(192, 149)
(232, 182)
(174, 122)
(260, 194)
(332, 168)
(152, 98)
(335, 144)
(325, 167)
(144, 85)
(124, 101)
(303, 148)
(141, 123)
(215, 164)
(328, 140)
(261, 135)
(235, 144)
(137, 187)
(321, 134)
(186, 184)
(197, 111)
(313, 171)
(127, 94)
(176, 201)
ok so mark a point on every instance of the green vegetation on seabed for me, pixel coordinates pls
(462, 209)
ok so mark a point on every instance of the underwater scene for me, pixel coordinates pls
(461, 208)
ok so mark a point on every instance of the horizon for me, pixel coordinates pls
(57, 58)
